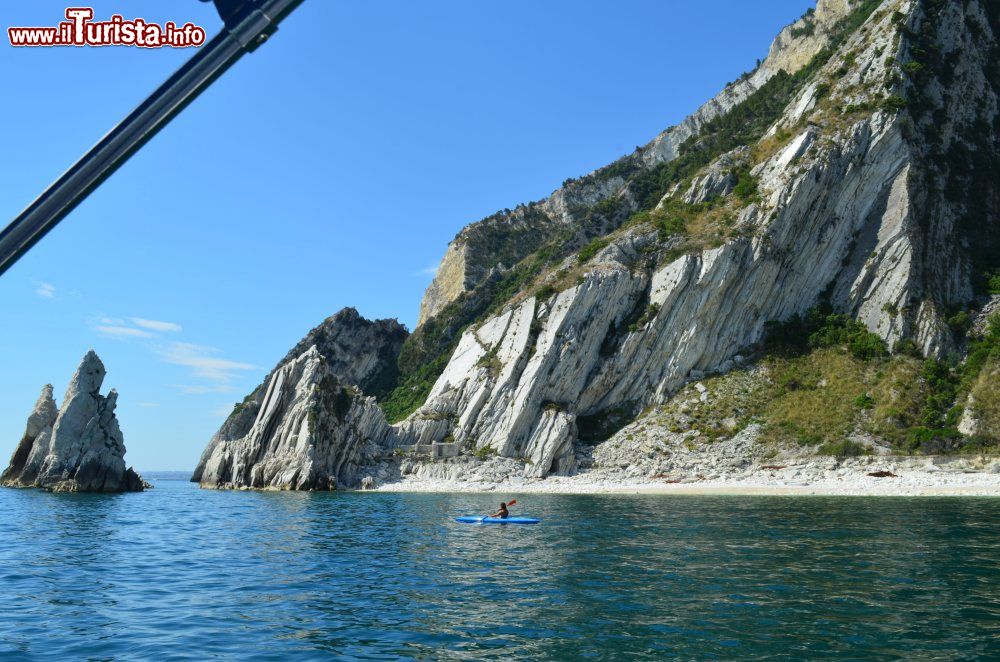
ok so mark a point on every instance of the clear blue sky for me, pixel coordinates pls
(330, 168)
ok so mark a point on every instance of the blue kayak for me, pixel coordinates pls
(497, 520)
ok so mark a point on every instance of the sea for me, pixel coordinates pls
(180, 573)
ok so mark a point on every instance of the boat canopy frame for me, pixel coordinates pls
(246, 25)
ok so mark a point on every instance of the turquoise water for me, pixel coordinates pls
(181, 573)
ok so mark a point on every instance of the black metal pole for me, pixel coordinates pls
(241, 35)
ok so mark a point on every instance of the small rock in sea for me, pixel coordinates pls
(78, 448)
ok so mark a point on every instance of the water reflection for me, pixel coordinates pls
(181, 573)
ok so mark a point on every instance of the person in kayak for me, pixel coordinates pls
(503, 513)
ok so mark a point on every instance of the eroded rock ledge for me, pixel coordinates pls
(78, 448)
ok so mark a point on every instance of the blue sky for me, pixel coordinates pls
(330, 168)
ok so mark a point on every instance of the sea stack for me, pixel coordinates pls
(78, 448)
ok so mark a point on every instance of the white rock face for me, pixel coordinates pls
(717, 180)
(967, 424)
(840, 212)
(843, 211)
(307, 434)
(551, 445)
(361, 354)
(79, 448)
(503, 381)
(461, 268)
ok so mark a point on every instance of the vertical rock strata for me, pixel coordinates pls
(506, 237)
(79, 448)
(850, 203)
(312, 421)
(311, 432)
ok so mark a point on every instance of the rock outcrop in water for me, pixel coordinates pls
(312, 431)
(310, 424)
(852, 167)
(78, 448)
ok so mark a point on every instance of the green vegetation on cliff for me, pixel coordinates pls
(742, 125)
(823, 382)
(426, 351)
(413, 390)
(914, 404)
(959, 167)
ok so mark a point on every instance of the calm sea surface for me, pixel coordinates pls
(182, 573)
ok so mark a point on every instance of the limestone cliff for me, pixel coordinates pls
(311, 432)
(852, 170)
(79, 448)
(844, 205)
(346, 354)
(357, 352)
(501, 240)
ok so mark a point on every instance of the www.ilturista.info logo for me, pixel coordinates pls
(82, 30)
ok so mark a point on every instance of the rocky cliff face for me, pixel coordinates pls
(282, 436)
(501, 240)
(841, 209)
(79, 448)
(839, 171)
(311, 432)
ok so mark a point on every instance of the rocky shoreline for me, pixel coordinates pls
(647, 457)
(867, 476)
